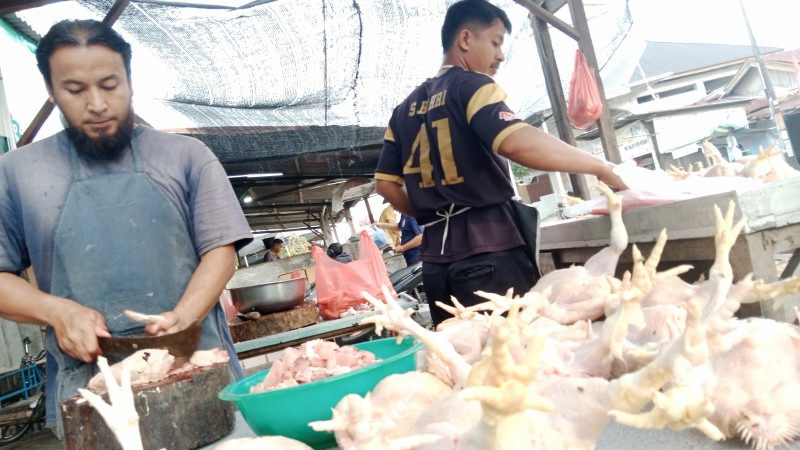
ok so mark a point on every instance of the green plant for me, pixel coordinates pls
(519, 172)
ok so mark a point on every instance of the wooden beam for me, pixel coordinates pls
(289, 190)
(552, 79)
(12, 6)
(36, 124)
(608, 136)
(369, 211)
(44, 112)
(324, 226)
(115, 11)
(309, 206)
(548, 17)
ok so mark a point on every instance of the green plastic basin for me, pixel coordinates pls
(287, 412)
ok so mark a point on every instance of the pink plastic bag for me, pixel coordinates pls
(227, 304)
(339, 285)
(584, 106)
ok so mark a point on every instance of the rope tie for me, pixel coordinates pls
(445, 215)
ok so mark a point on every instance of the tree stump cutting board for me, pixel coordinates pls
(180, 412)
(274, 323)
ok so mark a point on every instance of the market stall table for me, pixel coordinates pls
(327, 329)
(772, 226)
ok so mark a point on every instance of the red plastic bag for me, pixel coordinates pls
(584, 106)
(339, 285)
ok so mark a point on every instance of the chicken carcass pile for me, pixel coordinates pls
(313, 361)
(668, 354)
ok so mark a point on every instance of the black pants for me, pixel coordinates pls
(490, 272)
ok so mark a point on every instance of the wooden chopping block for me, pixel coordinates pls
(274, 323)
(180, 412)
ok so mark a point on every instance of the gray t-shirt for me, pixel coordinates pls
(34, 181)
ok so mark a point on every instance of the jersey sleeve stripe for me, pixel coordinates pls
(389, 136)
(389, 177)
(504, 134)
(485, 95)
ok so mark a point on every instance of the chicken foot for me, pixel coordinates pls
(120, 415)
(394, 318)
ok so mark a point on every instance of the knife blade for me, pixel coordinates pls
(181, 345)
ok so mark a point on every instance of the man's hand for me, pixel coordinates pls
(612, 179)
(167, 323)
(77, 329)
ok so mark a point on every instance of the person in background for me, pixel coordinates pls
(336, 251)
(106, 186)
(274, 251)
(410, 237)
(389, 216)
(444, 162)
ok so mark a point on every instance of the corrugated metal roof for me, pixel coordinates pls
(671, 57)
(21, 26)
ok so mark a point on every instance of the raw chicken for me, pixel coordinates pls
(153, 365)
(721, 168)
(761, 167)
(145, 366)
(532, 382)
(754, 386)
(123, 420)
(384, 417)
(313, 361)
(578, 292)
(263, 443)
(120, 416)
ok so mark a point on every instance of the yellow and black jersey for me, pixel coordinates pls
(441, 144)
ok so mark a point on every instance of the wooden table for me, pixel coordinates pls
(772, 226)
(327, 329)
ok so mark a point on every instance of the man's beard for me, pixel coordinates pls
(105, 148)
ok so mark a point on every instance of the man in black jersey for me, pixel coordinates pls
(444, 163)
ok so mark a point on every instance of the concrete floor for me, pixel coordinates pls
(40, 440)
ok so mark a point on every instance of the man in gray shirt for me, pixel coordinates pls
(112, 216)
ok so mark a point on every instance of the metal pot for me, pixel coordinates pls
(270, 297)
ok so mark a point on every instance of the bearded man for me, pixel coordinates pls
(111, 216)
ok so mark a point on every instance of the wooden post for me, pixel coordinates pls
(369, 211)
(333, 226)
(552, 79)
(348, 215)
(323, 225)
(605, 126)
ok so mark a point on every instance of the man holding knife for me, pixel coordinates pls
(111, 216)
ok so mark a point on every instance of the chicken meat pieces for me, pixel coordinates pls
(313, 361)
(153, 365)
(579, 292)
(145, 366)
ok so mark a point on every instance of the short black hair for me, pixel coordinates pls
(80, 33)
(470, 12)
(335, 250)
(275, 241)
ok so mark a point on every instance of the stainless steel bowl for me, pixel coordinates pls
(270, 297)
